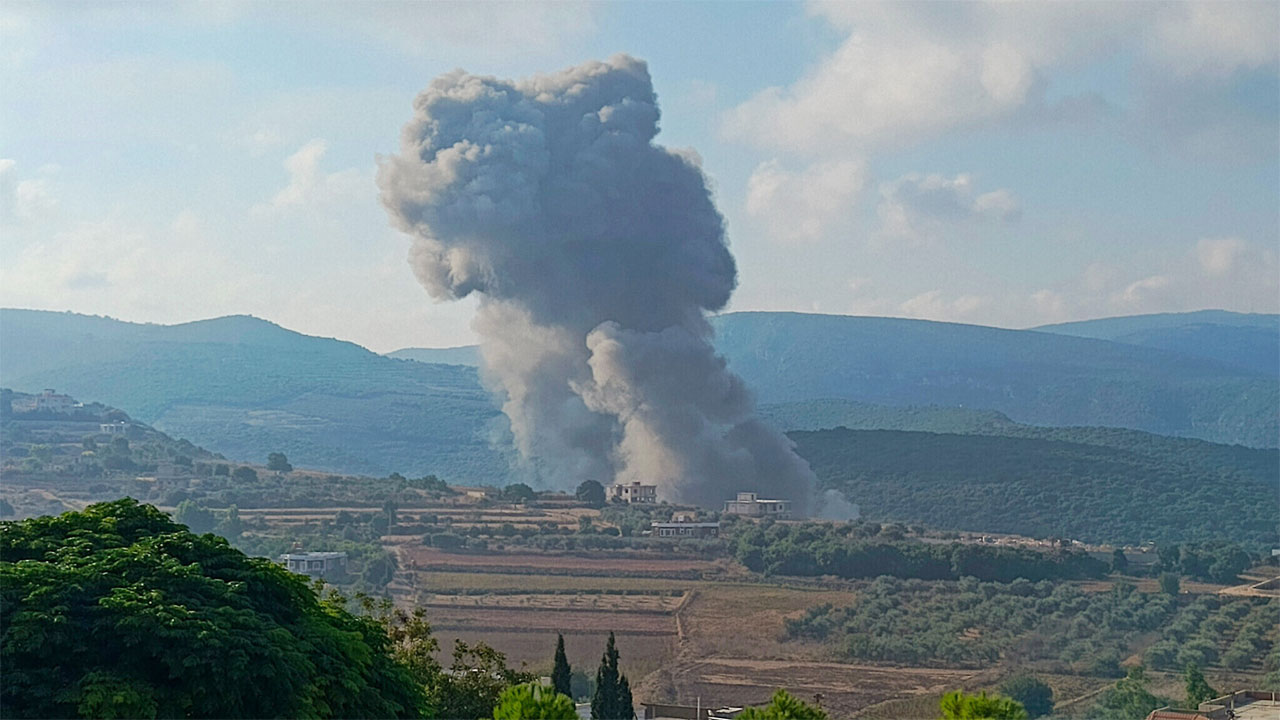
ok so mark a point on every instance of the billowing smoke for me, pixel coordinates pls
(596, 255)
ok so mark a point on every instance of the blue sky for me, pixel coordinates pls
(1010, 164)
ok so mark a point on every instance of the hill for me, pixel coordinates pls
(245, 387)
(1248, 341)
(1211, 375)
(1032, 377)
(1089, 484)
(465, 355)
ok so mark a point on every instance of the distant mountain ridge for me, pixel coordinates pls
(1250, 341)
(468, 355)
(244, 387)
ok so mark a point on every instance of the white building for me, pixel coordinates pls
(316, 564)
(633, 493)
(749, 504)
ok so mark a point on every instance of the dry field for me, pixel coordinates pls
(611, 564)
(657, 604)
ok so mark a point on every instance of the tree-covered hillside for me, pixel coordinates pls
(1032, 377)
(244, 387)
(1249, 341)
(1089, 484)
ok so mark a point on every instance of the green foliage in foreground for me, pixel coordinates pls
(117, 611)
(1083, 483)
(957, 705)
(533, 701)
(784, 706)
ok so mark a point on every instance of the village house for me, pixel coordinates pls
(316, 564)
(682, 527)
(633, 493)
(749, 504)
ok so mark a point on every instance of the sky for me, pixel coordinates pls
(1005, 163)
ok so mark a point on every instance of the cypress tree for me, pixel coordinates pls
(612, 700)
(560, 674)
(626, 710)
(604, 704)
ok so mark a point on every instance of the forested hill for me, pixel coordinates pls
(245, 387)
(1032, 377)
(1250, 341)
(1089, 484)
(1213, 375)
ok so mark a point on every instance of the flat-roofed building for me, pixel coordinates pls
(750, 504)
(685, 529)
(316, 564)
(633, 493)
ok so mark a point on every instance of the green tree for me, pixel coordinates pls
(244, 473)
(591, 493)
(199, 519)
(519, 493)
(43, 453)
(1128, 698)
(957, 705)
(277, 462)
(1034, 694)
(534, 701)
(474, 682)
(612, 699)
(1170, 583)
(118, 611)
(1198, 689)
(561, 673)
(783, 706)
(221, 470)
(230, 527)
(1119, 563)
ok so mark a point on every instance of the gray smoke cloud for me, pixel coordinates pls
(596, 255)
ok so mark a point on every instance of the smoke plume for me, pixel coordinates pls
(596, 254)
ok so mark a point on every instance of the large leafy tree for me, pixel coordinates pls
(118, 611)
(591, 493)
(532, 701)
(784, 706)
(959, 706)
(561, 673)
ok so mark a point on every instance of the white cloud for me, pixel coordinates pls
(310, 186)
(25, 199)
(807, 205)
(910, 71)
(936, 305)
(1219, 256)
(917, 207)
(1141, 291)
(1217, 38)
